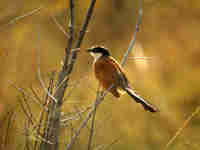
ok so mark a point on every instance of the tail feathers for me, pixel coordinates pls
(147, 106)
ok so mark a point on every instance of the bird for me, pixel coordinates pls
(111, 76)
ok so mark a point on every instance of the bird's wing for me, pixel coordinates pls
(120, 73)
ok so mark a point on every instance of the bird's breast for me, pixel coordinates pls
(105, 72)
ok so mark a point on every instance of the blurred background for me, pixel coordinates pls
(167, 75)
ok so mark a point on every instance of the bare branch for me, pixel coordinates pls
(89, 115)
(132, 43)
(22, 17)
(64, 72)
(112, 143)
(24, 93)
(39, 73)
(68, 64)
(59, 26)
(81, 35)
(99, 147)
(71, 32)
(92, 130)
(26, 132)
(62, 82)
(76, 115)
(180, 130)
(106, 147)
(26, 112)
(10, 119)
(93, 123)
(37, 99)
(75, 85)
(42, 113)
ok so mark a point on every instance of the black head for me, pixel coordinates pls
(100, 50)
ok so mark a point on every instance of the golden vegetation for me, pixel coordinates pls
(168, 75)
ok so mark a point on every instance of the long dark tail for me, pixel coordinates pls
(147, 106)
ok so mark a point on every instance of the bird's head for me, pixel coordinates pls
(98, 51)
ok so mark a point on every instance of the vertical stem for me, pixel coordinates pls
(63, 72)
(81, 35)
(92, 125)
(132, 42)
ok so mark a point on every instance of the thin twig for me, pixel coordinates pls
(106, 147)
(3, 119)
(84, 122)
(39, 72)
(112, 143)
(92, 130)
(74, 85)
(52, 113)
(63, 73)
(42, 113)
(99, 147)
(25, 112)
(132, 43)
(10, 118)
(35, 98)
(77, 110)
(48, 121)
(71, 32)
(60, 27)
(21, 17)
(26, 132)
(91, 135)
(76, 115)
(81, 35)
(25, 97)
(180, 130)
